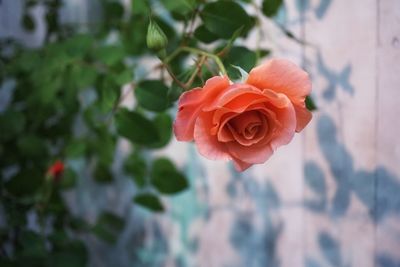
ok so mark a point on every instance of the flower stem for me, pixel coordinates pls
(198, 52)
(204, 53)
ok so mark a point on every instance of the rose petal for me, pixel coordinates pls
(285, 77)
(284, 133)
(246, 92)
(224, 135)
(191, 103)
(241, 165)
(303, 115)
(207, 144)
(250, 154)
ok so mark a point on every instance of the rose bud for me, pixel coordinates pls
(56, 171)
(245, 122)
(156, 38)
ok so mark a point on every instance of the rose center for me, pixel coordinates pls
(251, 130)
(247, 124)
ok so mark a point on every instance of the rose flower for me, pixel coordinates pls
(245, 122)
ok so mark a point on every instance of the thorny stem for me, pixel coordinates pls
(192, 50)
(199, 63)
(181, 84)
(214, 57)
(209, 68)
(199, 52)
(190, 25)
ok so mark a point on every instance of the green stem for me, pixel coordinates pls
(199, 52)
(204, 53)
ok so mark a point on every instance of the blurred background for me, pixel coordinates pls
(329, 198)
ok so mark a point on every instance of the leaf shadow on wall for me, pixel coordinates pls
(335, 79)
(330, 249)
(378, 190)
(320, 9)
(254, 234)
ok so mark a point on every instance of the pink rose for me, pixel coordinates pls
(245, 122)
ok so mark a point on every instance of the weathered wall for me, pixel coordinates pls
(330, 198)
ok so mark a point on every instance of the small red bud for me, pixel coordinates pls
(56, 170)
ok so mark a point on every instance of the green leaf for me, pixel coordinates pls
(166, 178)
(115, 9)
(72, 253)
(28, 22)
(83, 75)
(108, 226)
(230, 42)
(140, 7)
(110, 55)
(174, 92)
(105, 152)
(263, 52)
(149, 201)
(78, 46)
(133, 35)
(136, 166)
(123, 77)
(271, 7)
(104, 234)
(111, 220)
(108, 96)
(163, 123)
(179, 6)
(11, 124)
(32, 146)
(204, 35)
(26, 62)
(136, 128)
(239, 56)
(78, 224)
(102, 174)
(243, 74)
(152, 95)
(26, 182)
(224, 17)
(310, 103)
(32, 245)
(68, 180)
(76, 148)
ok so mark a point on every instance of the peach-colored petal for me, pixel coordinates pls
(187, 114)
(232, 92)
(250, 154)
(191, 103)
(285, 77)
(286, 118)
(303, 117)
(207, 144)
(224, 134)
(241, 165)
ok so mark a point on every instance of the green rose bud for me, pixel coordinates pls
(156, 38)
